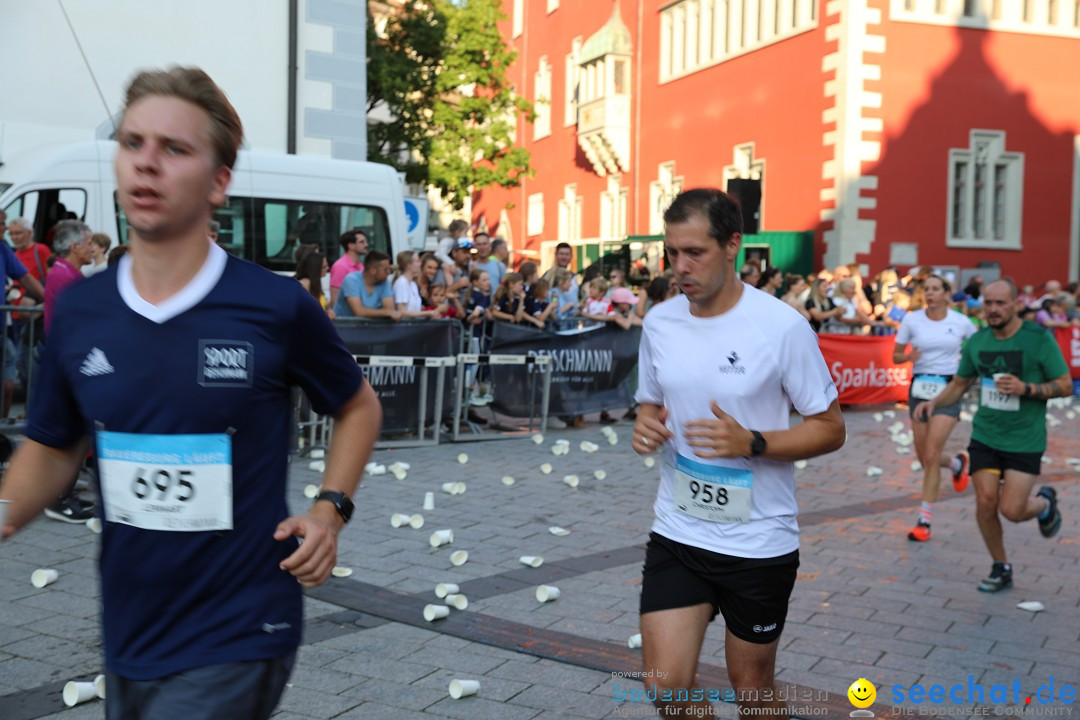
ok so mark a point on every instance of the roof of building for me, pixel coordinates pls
(612, 39)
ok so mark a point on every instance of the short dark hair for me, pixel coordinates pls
(562, 245)
(480, 234)
(721, 210)
(374, 256)
(349, 237)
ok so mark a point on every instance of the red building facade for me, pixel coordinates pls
(905, 132)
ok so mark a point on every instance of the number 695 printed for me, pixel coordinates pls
(177, 484)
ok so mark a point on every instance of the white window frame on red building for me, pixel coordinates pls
(570, 215)
(573, 81)
(661, 194)
(986, 195)
(534, 221)
(1039, 17)
(542, 99)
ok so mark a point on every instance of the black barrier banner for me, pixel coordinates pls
(591, 369)
(398, 386)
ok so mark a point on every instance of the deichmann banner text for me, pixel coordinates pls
(592, 369)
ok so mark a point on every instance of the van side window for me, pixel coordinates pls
(47, 207)
(280, 227)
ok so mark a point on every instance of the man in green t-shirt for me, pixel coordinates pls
(1018, 366)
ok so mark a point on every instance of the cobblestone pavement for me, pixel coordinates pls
(867, 603)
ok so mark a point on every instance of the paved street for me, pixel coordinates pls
(868, 603)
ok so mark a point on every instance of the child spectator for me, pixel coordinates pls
(478, 315)
(510, 300)
(439, 305)
(596, 307)
(563, 296)
(623, 312)
(538, 303)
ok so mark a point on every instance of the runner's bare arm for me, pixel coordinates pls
(900, 357)
(356, 428)
(724, 437)
(1058, 387)
(37, 476)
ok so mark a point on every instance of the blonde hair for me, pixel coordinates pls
(196, 87)
(599, 284)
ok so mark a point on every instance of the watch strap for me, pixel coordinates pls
(341, 502)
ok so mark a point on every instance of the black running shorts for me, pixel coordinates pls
(751, 593)
(984, 457)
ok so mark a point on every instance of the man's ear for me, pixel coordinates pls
(222, 175)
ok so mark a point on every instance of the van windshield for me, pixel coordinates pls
(270, 231)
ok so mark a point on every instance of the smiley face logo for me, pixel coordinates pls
(862, 693)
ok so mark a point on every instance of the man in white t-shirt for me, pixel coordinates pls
(720, 366)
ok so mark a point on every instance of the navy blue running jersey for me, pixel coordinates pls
(216, 360)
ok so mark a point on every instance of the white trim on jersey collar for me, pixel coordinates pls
(188, 297)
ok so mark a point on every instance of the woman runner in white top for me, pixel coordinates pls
(936, 335)
(406, 292)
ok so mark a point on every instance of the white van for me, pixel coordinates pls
(275, 203)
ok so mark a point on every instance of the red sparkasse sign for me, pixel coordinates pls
(1069, 341)
(863, 369)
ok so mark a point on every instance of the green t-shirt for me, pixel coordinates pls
(1032, 355)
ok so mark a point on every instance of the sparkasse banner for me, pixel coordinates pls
(863, 370)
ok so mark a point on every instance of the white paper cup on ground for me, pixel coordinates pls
(874, 471)
(508, 481)
(459, 557)
(398, 520)
(600, 474)
(444, 589)
(546, 468)
(533, 561)
(1031, 606)
(589, 447)
(99, 686)
(613, 439)
(463, 458)
(650, 462)
(459, 488)
(398, 466)
(416, 521)
(399, 473)
(457, 601)
(538, 439)
(435, 612)
(79, 692)
(311, 491)
(441, 537)
(558, 531)
(376, 469)
(340, 571)
(463, 688)
(43, 576)
(448, 488)
(318, 454)
(93, 523)
(429, 501)
(317, 466)
(800, 464)
(571, 480)
(547, 593)
(634, 641)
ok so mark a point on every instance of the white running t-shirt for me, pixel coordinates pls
(756, 361)
(407, 293)
(939, 340)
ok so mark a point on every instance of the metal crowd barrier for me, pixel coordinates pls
(26, 335)
(543, 362)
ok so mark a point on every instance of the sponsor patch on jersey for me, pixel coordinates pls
(226, 363)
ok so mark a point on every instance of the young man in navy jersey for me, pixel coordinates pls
(176, 367)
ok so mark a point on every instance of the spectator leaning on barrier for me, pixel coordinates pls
(563, 295)
(484, 261)
(368, 294)
(819, 305)
(456, 275)
(538, 302)
(407, 298)
(99, 246)
(478, 315)
(529, 274)
(354, 245)
(510, 304)
(595, 306)
(439, 305)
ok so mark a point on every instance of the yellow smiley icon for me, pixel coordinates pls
(862, 693)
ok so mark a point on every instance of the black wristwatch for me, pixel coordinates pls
(341, 501)
(757, 444)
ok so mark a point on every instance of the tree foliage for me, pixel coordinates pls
(439, 70)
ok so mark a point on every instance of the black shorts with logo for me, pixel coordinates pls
(984, 457)
(751, 593)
